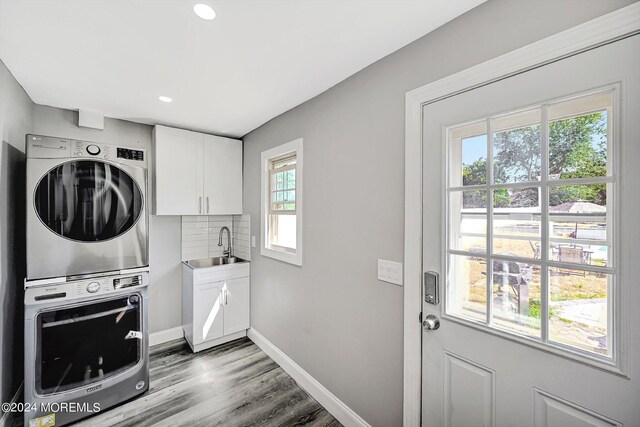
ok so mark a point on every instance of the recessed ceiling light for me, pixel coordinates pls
(165, 99)
(204, 11)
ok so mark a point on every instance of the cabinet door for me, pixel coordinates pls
(222, 175)
(178, 172)
(208, 312)
(236, 305)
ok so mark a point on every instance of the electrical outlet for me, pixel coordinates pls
(253, 241)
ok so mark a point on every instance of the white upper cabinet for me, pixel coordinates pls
(196, 174)
(222, 175)
(178, 166)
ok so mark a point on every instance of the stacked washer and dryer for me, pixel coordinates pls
(86, 337)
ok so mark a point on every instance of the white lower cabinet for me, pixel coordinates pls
(215, 304)
(208, 312)
(236, 305)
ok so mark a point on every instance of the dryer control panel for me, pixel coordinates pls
(46, 147)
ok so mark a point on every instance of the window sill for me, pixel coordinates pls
(291, 258)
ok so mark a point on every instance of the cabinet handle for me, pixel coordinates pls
(226, 296)
(200, 204)
(208, 204)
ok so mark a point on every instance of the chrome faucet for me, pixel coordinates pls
(229, 251)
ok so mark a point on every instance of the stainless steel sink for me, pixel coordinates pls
(213, 262)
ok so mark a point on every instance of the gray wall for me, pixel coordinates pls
(332, 316)
(165, 309)
(16, 120)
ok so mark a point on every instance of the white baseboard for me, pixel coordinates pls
(222, 340)
(5, 420)
(166, 335)
(331, 403)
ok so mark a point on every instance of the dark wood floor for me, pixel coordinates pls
(235, 384)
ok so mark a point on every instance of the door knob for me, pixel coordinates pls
(431, 322)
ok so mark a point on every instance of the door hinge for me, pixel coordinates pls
(420, 318)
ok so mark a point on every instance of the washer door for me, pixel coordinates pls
(83, 344)
(88, 201)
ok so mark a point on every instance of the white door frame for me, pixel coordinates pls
(605, 29)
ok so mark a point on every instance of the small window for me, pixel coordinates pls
(530, 224)
(281, 200)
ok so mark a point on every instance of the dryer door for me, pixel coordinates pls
(85, 216)
(88, 201)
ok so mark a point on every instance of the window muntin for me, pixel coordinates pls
(529, 246)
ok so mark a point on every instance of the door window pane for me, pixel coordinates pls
(468, 221)
(516, 147)
(467, 291)
(468, 154)
(578, 309)
(516, 222)
(516, 297)
(88, 201)
(578, 137)
(578, 224)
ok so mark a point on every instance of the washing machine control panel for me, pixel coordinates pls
(84, 288)
(125, 282)
(93, 287)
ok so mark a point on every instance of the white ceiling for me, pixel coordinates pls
(256, 60)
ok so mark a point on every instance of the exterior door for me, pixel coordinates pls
(531, 194)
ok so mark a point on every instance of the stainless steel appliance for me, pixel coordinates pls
(86, 343)
(86, 210)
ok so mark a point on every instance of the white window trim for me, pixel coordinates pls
(266, 156)
(601, 30)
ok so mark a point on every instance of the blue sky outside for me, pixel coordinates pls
(473, 149)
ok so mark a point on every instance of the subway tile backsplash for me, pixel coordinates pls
(200, 236)
(241, 236)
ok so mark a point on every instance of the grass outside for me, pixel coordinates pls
(564, 285)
